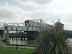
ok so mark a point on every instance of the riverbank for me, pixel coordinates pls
(22, 47)
(12, 50)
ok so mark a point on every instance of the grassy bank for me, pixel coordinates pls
(12, 50)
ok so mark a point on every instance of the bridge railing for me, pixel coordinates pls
(2, 28)
(22, 28)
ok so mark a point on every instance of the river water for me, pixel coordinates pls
(69, 41)
(18, 41)
(25, 42)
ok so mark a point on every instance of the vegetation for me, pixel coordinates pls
(2, 45)
(12, 50)
(1, 33)
(52, 42)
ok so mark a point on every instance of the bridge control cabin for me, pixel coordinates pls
(59, 26)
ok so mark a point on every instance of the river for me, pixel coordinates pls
(30, 42)
(69, 41)
(22, 42)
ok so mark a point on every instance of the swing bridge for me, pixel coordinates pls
(30, 26)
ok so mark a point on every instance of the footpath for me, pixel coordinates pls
(22, 46)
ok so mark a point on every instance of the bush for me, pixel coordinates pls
(52, 42)
(2, 45)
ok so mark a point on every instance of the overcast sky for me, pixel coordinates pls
(48, 10)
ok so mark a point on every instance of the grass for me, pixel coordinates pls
(12, 50)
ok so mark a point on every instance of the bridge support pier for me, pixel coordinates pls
(6, 36)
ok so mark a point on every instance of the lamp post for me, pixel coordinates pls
(16, 43)
(16, 40)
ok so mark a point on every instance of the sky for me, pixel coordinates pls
(17, 11)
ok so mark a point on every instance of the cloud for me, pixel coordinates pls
(34, 3)
(15, 14)
(42, 2)
(11, 14)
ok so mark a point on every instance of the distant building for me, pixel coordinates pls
(59, 26)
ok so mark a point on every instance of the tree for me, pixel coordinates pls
(52, 42)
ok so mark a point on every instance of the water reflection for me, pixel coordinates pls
(30, 42)
(69, 41)
(20, 42)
